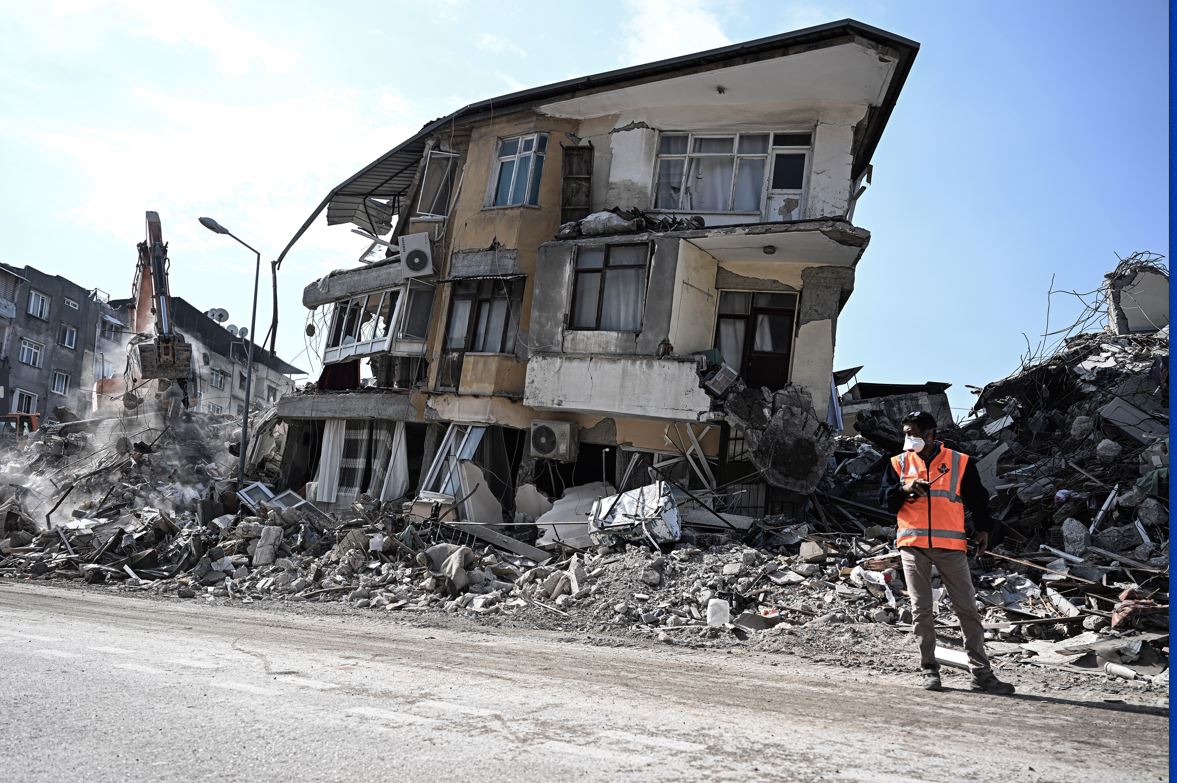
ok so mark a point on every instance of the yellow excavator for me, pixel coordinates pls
(166, 355)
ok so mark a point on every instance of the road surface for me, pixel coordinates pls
(105, 687)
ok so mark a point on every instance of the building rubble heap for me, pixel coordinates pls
(1074, 450)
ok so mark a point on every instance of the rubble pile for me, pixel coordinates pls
(1074, 451)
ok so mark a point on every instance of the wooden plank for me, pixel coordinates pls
(484, 533)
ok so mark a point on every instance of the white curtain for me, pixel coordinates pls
(731, 341)
(624, 295)
(749, 185)
(396, 476)
(330, 458)
(709, 182)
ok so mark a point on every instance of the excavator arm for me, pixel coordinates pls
(166, 355)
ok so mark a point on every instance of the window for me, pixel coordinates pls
(419, 307)
(361, 325)
(754, 333)
(213, 408)
(38, 305)
(31, 353)
(271, 393)
(23, 401)
(438, 183)
(706, 173)
(217, 378)
(104, 368)
(67, 336)
(109, 330)
(60, 383)
(518, 168)
(484, 316)
(609, 292)
(71, 304)
(240, 380)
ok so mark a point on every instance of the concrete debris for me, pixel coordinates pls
(787, 441)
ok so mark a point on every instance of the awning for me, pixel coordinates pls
(389, 177)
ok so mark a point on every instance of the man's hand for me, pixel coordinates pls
(918, 487)
(981, 539)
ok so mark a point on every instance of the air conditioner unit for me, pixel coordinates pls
(719, 381)
(554, 440)
(416, 254)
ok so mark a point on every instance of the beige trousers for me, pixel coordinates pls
(953, 566)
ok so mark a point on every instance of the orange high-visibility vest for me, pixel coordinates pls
(938, 519)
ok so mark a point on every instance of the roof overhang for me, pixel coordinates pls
(391, 175)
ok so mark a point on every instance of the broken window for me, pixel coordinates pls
(727, 173)
(361, 325)
(518, 167)
(217, 378)
(610, 288)
(109, 330)
(437, 184)
(484, 316)
(754, 332)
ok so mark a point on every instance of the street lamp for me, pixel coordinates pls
(217, 228)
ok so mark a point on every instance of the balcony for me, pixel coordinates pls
(643, 387)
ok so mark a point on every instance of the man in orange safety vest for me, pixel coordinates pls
(929, 487)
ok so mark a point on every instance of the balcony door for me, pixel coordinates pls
(754, 332)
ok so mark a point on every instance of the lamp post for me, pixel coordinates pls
(216, 227)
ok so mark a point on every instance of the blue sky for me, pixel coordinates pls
(1031, 139)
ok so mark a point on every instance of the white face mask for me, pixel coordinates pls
(911, 443)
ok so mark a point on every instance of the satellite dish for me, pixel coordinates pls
(231, 329)
(220, 315)
(243, 332)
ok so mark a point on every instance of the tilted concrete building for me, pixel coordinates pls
(511, 325)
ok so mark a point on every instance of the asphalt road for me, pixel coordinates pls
(107, 687)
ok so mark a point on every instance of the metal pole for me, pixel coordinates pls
(257, 270)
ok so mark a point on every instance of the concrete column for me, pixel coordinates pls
(829, 177)
(631, 166)
(823, 290)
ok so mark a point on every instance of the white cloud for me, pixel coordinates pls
(67, 24)
(497, 44)
(658, 29)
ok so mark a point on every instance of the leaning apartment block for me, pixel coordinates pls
(594, 285)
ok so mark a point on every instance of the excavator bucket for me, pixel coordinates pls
(164, 357)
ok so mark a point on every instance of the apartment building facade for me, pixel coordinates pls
(558, 277)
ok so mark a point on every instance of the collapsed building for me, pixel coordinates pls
(582, 287)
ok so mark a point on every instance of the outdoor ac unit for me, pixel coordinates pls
(416, 254)
(719, 381)
(553, 440)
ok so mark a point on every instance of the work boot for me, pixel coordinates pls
(987, 682)
(930, 679)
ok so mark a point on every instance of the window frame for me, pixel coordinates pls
(486, 291)
(72, 304)
(69, 330)
(577, 273)
(35, 348)
(109, 330)
(64, 391)
(340, 314)
(749, 319)
(532, 188)
(18, 394)
(768, 156)
(43, 312)
(450, 177)
(214, 375)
